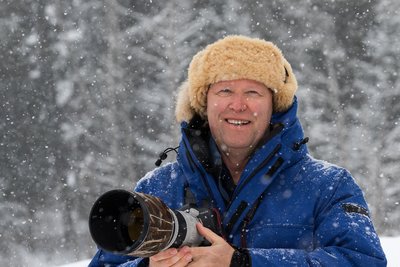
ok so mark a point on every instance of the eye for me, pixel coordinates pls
(253, 93)
(224, 91)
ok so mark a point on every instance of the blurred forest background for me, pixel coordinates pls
(87, 97)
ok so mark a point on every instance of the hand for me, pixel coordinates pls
(219, 254)
(171, 257)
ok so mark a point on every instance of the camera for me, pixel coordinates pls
(142, 225)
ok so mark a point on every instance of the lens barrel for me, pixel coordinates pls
(131, 223)
(142, 225)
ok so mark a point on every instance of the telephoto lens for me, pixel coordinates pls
(142, 225)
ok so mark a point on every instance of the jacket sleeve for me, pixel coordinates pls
(106, 259)
(343, 233)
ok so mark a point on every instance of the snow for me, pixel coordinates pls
(84, 263)
(65, 90)
(390, 246)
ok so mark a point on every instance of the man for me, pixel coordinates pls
(243, 152)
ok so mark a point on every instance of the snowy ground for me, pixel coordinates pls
(390, 246)
(78, 264)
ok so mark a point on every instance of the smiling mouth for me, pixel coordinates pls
(237, 122)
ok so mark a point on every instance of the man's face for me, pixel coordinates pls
(238, 112)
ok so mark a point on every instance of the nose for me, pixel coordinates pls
(238, 104)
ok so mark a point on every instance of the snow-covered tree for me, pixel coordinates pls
(379, 77)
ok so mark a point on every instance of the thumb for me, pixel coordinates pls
(207, 233)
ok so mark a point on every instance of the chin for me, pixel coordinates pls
(238, 145)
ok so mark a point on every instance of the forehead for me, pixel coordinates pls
(238, 83)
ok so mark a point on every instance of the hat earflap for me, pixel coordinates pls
(183, 110)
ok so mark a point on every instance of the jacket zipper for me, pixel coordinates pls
(261, 166)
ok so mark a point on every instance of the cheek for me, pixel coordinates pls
(213, 108)
(262, 113)
(212, 104)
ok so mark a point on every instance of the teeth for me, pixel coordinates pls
(238, 122)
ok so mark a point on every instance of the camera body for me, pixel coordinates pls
(142, 225)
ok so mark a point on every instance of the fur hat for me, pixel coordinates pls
(231, 58)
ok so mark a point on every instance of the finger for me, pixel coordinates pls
(199, 251)
(162, 255)
(207, 233)
(181, 258)
(184, 261)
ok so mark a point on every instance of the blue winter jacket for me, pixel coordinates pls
(288, 208)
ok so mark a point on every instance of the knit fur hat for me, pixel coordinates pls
(231, 58)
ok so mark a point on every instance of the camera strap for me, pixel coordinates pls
(189, 196)
(190, 200)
